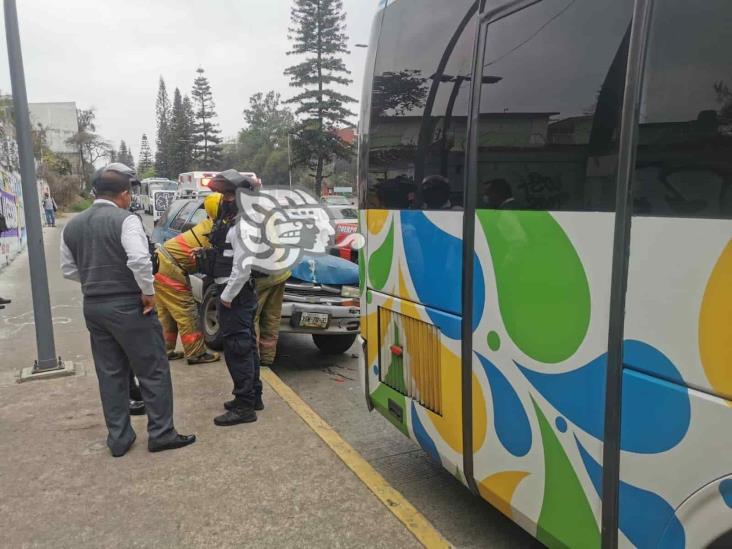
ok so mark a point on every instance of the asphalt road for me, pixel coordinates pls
(329, 384)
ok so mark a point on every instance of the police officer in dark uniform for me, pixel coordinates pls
(237, 304)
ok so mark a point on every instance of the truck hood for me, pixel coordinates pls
(326, 269)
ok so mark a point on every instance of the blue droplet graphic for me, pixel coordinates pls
(424, 439)
(645, 518)
(429, 251)
(509, 417)
(561, 424)
(725, 488)
(656, 413)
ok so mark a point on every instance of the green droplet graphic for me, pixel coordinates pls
(494, 341)
(369, 297)
(381, 397)
(543, 292)
(380, 261)
(566, 518)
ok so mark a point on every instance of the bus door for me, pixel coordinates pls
(414, 220)
(544, 158)
(676, 429)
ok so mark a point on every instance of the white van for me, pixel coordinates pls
(156, 195)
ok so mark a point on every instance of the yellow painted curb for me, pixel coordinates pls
(415, 522)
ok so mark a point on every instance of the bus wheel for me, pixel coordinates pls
(334, 344)
(209, 318)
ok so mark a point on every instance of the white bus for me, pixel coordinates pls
(546, 196)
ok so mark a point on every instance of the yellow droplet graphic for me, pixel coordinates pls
(376, 219)
(715, 326)
(498, 489)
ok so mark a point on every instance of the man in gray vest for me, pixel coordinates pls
(105, 248)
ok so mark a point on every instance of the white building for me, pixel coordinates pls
(59, 120)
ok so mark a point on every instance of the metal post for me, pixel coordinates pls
(47, 359)
(289, 160)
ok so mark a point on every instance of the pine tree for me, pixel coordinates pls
(180, 136)
(318, 33)
(162, 114)
(190, 128)
(206, 137)
(124, 155)
(146, 162)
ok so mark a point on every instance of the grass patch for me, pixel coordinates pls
(81, 204)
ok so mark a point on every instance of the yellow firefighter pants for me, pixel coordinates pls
(178, 313)
(267, 320)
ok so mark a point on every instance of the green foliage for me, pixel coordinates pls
(145, 163)
(206, 133)
(125, 155)
(146, 173)
(81, 204)
(91, 146)
(162, 115)
(318, 34)
(181, 135)
(262, 145)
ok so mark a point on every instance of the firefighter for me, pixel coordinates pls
(270, 293)
(177, 310)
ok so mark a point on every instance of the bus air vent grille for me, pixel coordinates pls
(410, 358)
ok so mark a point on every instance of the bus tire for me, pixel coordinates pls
(334, 344)
(209, 319)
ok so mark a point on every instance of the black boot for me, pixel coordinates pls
(4, 301)
(236, 416)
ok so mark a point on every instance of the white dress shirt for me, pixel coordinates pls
(134, 242)
(239, 275)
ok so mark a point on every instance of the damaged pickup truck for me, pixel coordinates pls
(321, 296)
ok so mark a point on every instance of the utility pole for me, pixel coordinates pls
(289, 159)
(47, 360)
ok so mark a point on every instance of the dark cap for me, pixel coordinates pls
(102, 185)
(231, 180)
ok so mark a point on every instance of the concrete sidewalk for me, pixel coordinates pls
(269, 484)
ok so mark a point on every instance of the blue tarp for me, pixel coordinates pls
(326, 269)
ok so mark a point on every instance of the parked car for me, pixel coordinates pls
(321, 296)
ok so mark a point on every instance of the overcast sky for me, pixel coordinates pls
(109, 54)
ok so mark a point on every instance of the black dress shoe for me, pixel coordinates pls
(4, 301)
(235, 417)
(137, 408)
(178, 442)
(123, 452)
(258, 404)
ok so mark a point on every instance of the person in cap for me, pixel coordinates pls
(105, 249)
(237, 304)
(177, 309)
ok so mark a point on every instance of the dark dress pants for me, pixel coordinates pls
(240, 346)
(122, 338)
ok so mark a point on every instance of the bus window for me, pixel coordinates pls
(553, 82)
(420, 104)
(684, 159)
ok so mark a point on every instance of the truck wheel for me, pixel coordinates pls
(209, 319)
(334, 344)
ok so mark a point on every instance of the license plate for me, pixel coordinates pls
(314, 320)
